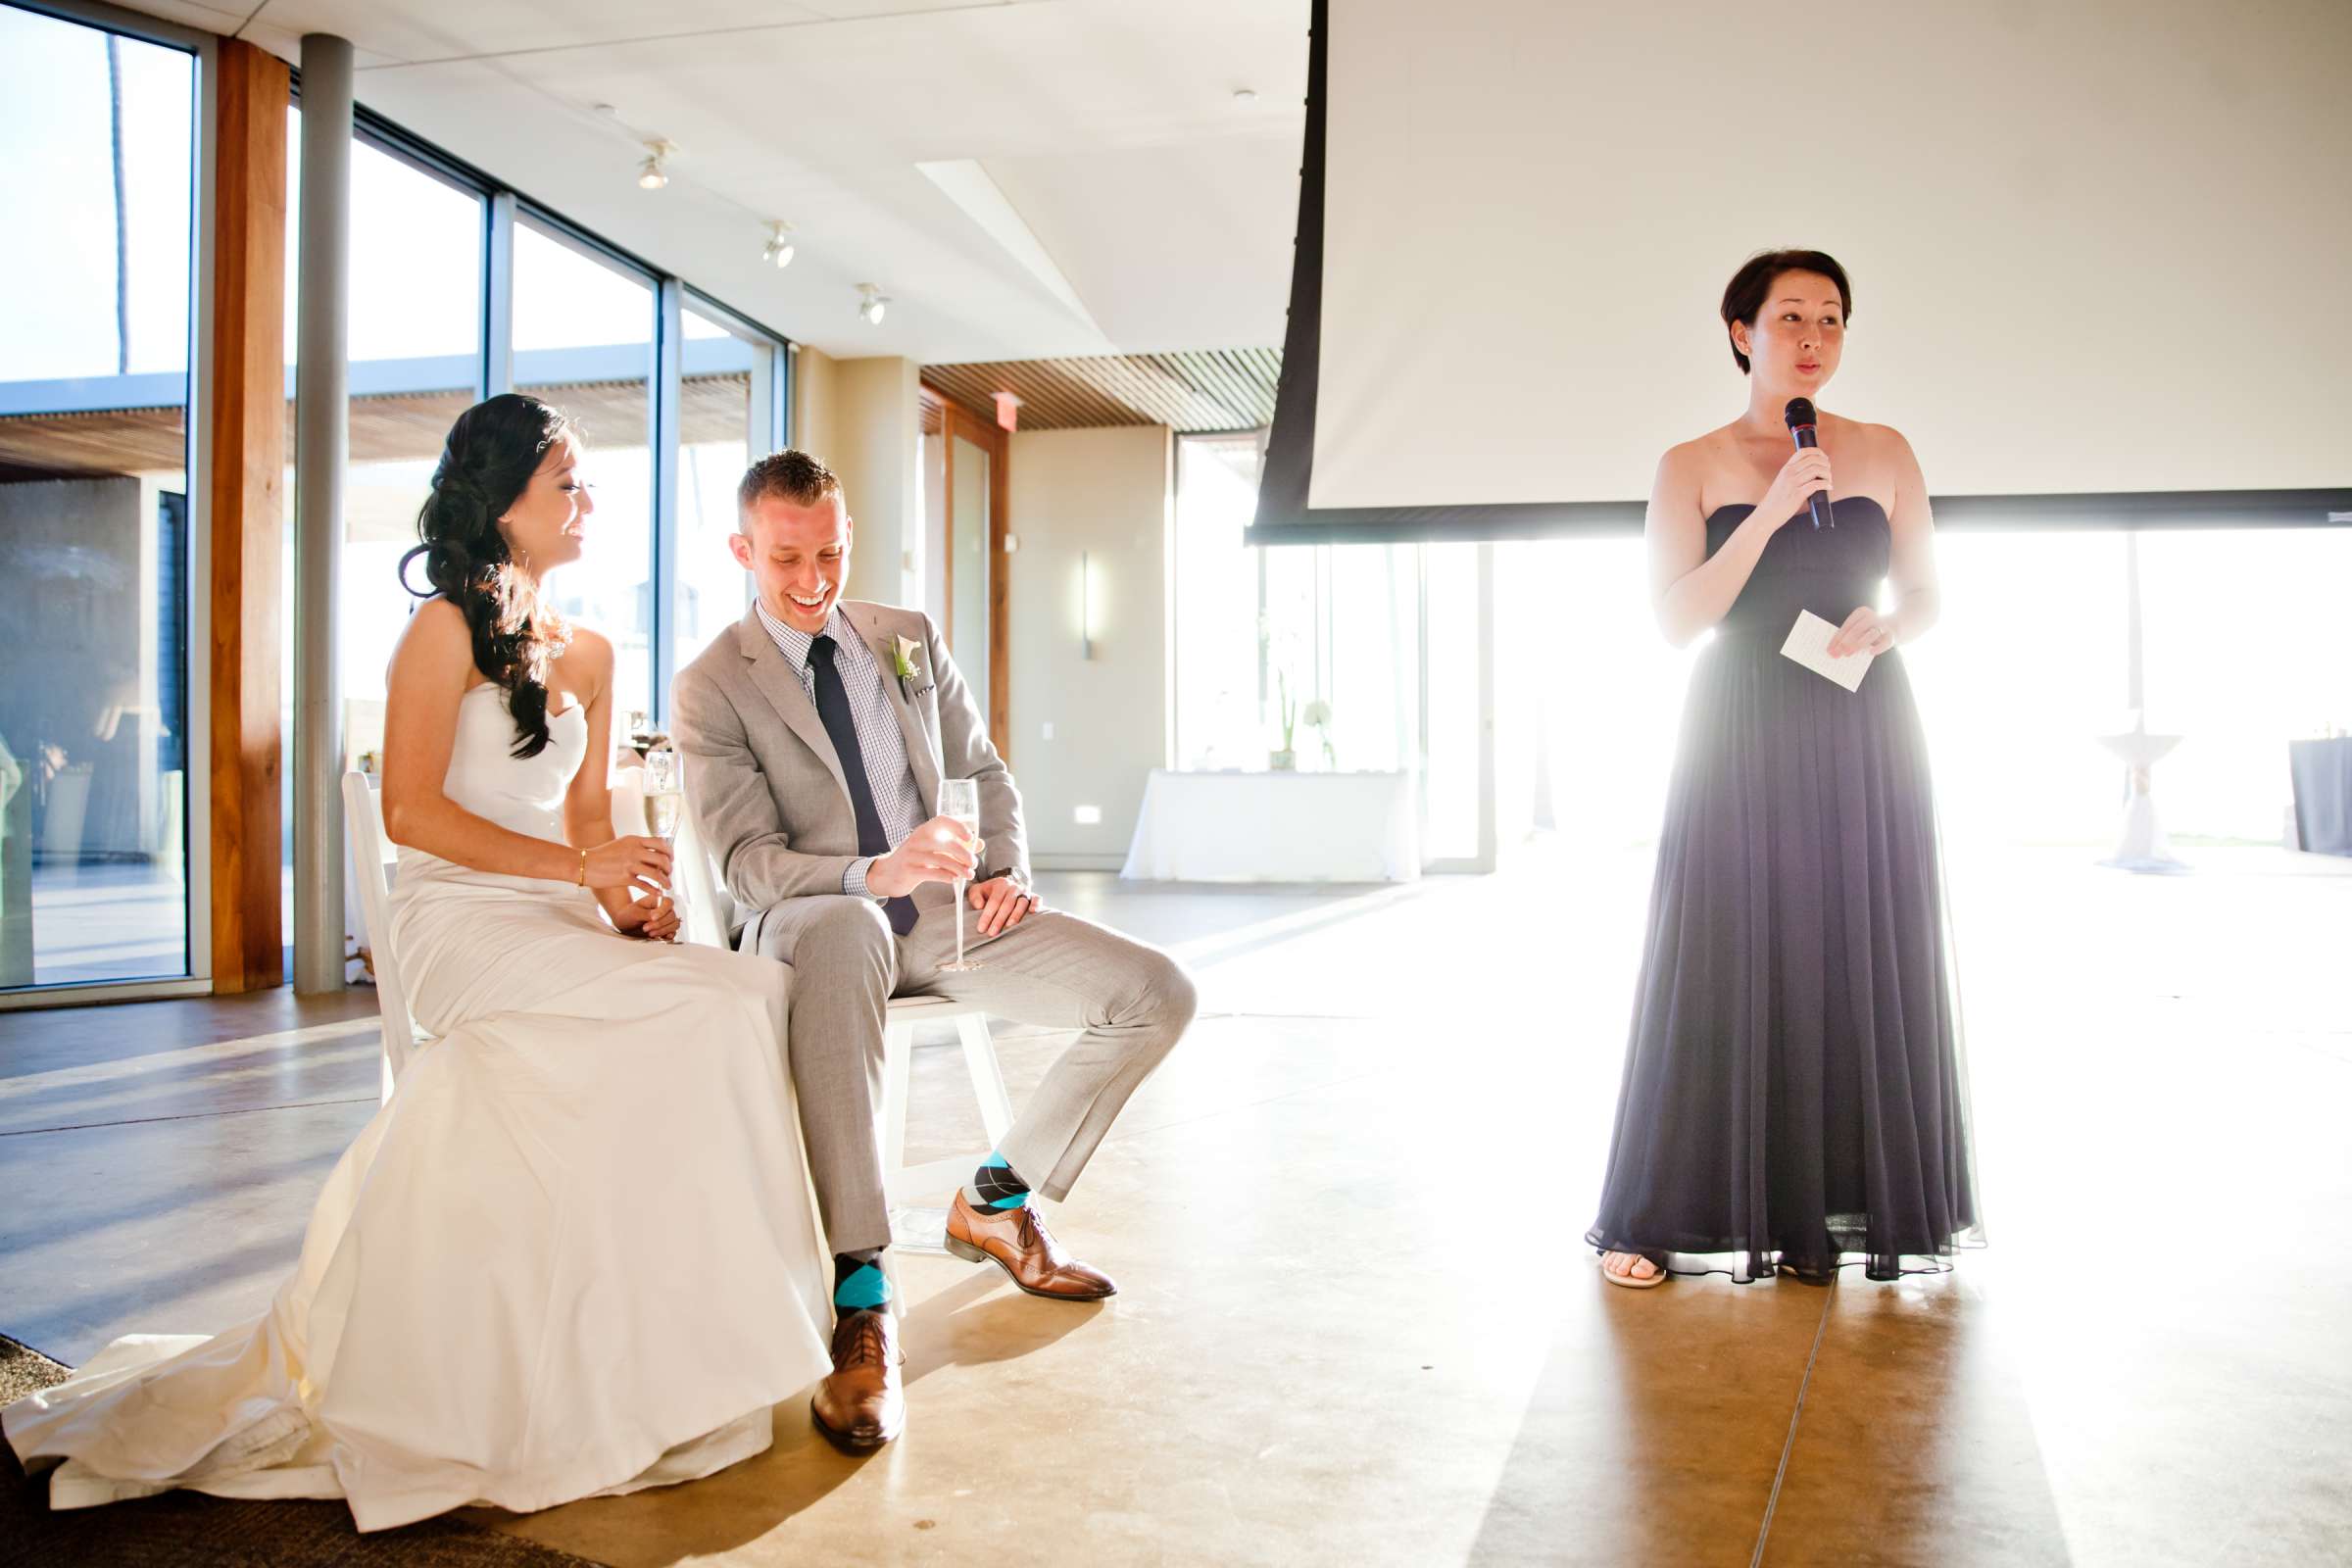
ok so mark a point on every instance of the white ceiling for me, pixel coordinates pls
(1109, 126)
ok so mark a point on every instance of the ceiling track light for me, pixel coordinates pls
(871, 304)
(651, 175)
(777, 252)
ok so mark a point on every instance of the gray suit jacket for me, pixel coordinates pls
(765, 785)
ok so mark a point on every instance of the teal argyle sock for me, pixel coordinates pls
(859, 1282)
(995, 1185)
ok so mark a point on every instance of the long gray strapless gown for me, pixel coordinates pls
(1794, 1094)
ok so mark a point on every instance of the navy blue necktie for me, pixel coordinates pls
(833, 707)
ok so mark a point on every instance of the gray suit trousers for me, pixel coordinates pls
(1056, 970)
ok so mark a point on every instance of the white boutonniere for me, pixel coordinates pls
(903, 661)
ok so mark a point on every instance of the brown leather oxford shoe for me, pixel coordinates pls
(861, 1406)
(1017, 1241)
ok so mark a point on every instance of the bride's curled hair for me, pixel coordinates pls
(488, 460)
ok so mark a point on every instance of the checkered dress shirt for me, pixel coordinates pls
(880, 741)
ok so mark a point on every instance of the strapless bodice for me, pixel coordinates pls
(1827, 570)
(521, 794)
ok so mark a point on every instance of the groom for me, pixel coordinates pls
(816, 734)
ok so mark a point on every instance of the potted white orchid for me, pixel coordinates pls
(1318, 716)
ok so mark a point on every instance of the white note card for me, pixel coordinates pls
(1809, 645)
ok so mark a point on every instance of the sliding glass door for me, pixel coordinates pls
(98, 733)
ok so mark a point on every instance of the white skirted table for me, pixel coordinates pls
(1276, 827)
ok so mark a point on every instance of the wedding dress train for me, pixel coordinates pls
(573, 1256)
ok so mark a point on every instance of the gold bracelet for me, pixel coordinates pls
(583, 877)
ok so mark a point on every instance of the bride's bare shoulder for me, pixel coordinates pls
(436, 634)
(592, 648)
(586, 667)
(437, 616)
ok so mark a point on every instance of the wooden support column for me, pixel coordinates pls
(246, 479)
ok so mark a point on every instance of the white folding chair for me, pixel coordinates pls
(708, 913)
(371, 853)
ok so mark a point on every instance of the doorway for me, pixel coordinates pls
(965, 477)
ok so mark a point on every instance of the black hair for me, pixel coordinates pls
(1743, 296)
(486, 463)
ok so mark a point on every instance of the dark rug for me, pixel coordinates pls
(185, 1529)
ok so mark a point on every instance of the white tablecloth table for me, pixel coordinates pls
(1276, 827)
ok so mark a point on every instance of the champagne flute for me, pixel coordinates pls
(664, 801)
(959, 800)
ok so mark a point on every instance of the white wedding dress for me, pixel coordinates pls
(574, 1254)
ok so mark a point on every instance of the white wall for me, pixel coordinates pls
(1102, 495)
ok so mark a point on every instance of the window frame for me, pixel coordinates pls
(503, 206)
(197, 562)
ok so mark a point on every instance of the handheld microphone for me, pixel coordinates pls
(1799, 414)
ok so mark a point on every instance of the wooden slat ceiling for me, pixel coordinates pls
(407, 426)
(1218, 389)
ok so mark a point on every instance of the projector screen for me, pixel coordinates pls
(2101, 254)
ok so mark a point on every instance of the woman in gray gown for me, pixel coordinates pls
(1794, 1096)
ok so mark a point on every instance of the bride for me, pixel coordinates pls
(574, 1253)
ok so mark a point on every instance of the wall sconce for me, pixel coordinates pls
(1086, 605)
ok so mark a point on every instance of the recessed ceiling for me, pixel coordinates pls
(1110, 126)
(1214, 389)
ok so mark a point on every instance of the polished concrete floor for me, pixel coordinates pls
(1356, 1323)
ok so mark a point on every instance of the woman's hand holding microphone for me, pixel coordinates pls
(1803, 476)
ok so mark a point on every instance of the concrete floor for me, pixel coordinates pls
(1356, 1323)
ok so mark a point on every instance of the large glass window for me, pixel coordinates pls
(1323, 637)
(415, 330)
(1220, 710)
(96, 741)
(2021, 685)
(2245, 645)
(2018, 685)
(1588, 695)
(2032, 665)
(95, 732)
(584, 341)
(726, 429)
(1453, 777)
(415, 334)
